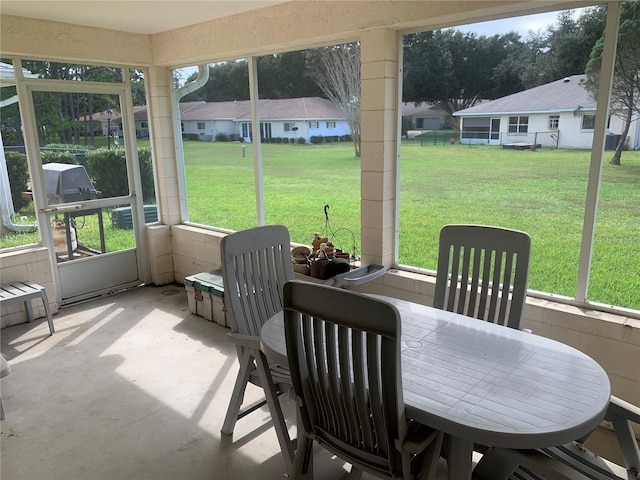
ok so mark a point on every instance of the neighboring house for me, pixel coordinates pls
(291, 118)
(558, 114)
(426, 116)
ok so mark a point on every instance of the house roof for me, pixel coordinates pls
(411, 109)
(566, 94)
(306, 108)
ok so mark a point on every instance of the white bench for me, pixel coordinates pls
(25, 292)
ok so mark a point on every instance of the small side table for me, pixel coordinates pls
(25, 292)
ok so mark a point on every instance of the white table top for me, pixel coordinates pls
(485, 383)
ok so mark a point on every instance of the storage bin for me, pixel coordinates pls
(205, 294)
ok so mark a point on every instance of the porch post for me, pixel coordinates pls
(161, 127)
(379, 143)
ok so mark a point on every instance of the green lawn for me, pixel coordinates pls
(540, 192)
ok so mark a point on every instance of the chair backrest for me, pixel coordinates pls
(344, 359)
(483, 272)
(256, 263)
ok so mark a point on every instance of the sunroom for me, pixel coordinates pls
(153, 41)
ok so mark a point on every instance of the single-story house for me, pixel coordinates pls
(426, 116)
(290, 118)
(557, 114)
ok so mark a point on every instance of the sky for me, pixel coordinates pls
(521, 25)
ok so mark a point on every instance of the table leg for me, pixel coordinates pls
(460, 459)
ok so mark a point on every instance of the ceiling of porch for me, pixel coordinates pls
(135, 16)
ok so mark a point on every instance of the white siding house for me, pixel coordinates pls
(289, 119)
(558, 114)
(426, 117)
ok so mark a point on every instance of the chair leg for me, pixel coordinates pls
(235, 403)
(286, 445)
(28, 309)
(303, 461)
(431, 457)
(47, 310)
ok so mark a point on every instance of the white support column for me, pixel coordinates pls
(164, 144)
(379, 148)
(597, 148)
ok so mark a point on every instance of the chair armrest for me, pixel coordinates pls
(620, 408)
(621, 414)
(357, 276)
(242, 340)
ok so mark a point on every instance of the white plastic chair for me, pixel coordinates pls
(344, 357)
(571, 461)
(256, 263)
(483, 272)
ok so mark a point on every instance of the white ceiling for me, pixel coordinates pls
(136, 16)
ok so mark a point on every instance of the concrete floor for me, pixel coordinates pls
(132, 386)
(135, 386)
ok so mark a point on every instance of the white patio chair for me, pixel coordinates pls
(256, 263)
(344, 357)
(483, 272)
(572, 461)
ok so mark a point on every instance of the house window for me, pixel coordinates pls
(288, 127)
(419, 123)
(265, 130)
(331, 124)
(314, 124)
(200, 125)
(246, 130)
(143, 124)
(519, 124)
(182, 126)
(554, 121)
(588, 122)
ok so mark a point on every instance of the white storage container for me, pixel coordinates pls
(205, 294)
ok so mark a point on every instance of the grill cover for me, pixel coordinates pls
(67, 183)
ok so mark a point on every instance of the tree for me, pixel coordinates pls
(287, 75)
(625, 89)
(565, 48)
(338, 76)
(454, 70)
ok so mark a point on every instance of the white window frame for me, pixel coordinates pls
(518, 124)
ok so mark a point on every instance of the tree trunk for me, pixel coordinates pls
(615, 160)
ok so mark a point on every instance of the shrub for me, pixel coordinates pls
(301, 140)
(346, 138)
(222, 137)
(108, 172)
(328, 139)
(335, 138)
(279, 139)
(191, 136)
(316, 139)
(18, 172)
(59, 156)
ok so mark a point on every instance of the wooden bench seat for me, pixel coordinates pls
(25, 291)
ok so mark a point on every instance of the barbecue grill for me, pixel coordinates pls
(67, 183)
(70, 183)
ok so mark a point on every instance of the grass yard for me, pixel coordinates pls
(542, 193)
